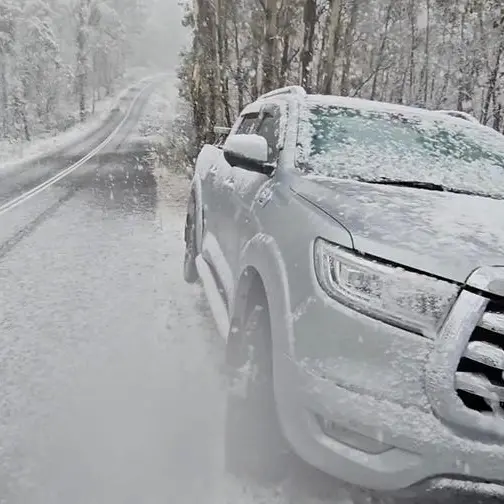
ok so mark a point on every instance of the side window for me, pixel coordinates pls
(270, 130)
(247, 125)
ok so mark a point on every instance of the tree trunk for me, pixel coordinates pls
(462, 64)
(497, 117)
(492, 81)
(223, 52)
(321, 63)
(82, 71)
(402, 87)
(427, 54)
(256, 61)
(333, 36)
(310, 14)
(270, 45)
(348, 45)
(20, 109)
(411, 65)
(239, 73)
(5, 96)
(207, 58)
(284, 66)
(381, 51)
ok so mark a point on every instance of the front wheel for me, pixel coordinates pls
(255, 448)
(190, 270)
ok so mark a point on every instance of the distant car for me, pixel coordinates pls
(353, 256)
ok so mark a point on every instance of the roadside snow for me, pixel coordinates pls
(160, 110)
(12, 154)
(165, 127)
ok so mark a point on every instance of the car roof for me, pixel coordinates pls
(299, 94)
(447, 116)
(369, 105)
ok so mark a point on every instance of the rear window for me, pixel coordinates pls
(347, 142)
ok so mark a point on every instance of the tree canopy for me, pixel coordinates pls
(430, 53)
(57, 57)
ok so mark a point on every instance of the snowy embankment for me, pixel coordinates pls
(165, 127)
(158, 114)
(13, 154)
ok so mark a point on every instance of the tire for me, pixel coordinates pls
(255, 448)
(190, 271)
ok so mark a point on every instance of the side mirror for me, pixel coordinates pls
(249, 152)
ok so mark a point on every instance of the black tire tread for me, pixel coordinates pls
(190, 270)
(255, 447)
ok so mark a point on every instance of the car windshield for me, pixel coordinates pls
(375, 145)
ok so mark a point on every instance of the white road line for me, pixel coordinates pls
(10, 205)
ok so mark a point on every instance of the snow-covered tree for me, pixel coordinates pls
(57, 57)
(429, 53)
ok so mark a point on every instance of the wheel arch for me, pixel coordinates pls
(250, 289)
(263, 272)
(261, 261)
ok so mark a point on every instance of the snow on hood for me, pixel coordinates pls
(444, 234)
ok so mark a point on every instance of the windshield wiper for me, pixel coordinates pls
(416, 184)
(428, 186)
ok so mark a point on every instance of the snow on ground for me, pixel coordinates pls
(160, 110)
(166, 127)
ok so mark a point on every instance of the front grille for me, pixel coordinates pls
(479, 380)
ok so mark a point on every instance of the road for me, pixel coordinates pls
(109, 364)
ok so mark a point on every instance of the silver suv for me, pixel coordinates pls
(353, 256)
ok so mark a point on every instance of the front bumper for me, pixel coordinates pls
(417, 445)
(376, 406)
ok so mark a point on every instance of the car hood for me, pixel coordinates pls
(444, 234)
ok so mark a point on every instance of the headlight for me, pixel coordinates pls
(409, 300)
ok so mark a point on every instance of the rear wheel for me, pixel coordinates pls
(190, 270)
(255, 447)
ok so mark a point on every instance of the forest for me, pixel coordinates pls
(437, 54)
(59, 57)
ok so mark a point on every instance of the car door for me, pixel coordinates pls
(217, 232)
(251, 188)
(207, 166)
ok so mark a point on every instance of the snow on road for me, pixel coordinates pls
(107, 384)
(14, 153)
(110, 364)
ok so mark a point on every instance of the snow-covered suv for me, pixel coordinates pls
(353, 256)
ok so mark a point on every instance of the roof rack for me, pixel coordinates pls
(461, 115)
(295, 90)
(220, 130)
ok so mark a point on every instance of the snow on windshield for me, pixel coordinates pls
(372, 144)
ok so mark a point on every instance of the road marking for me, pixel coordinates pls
(11, 205)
